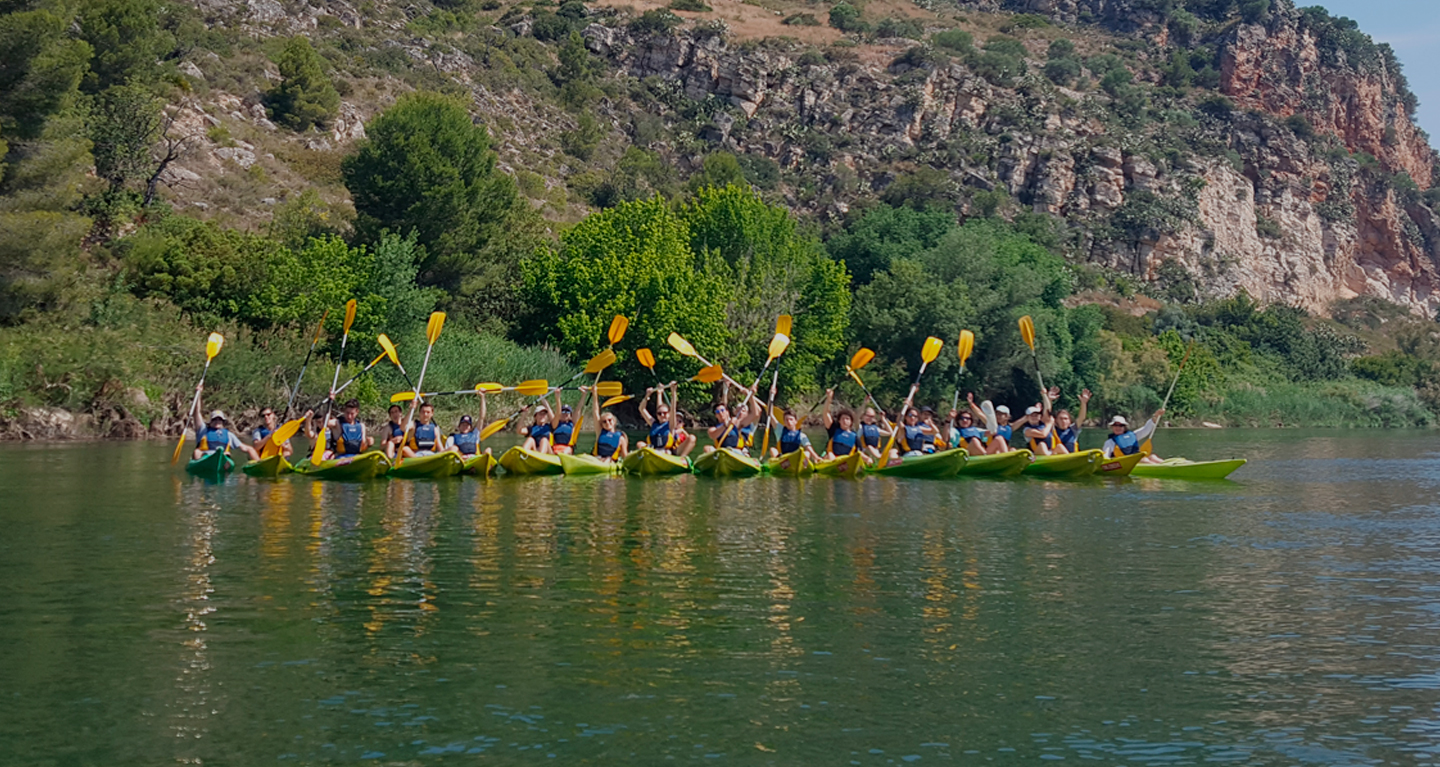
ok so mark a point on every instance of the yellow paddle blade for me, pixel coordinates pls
(616, 400)
(376, 361)
(618, 326)
(600, 361)
(433, 326)
(389, 348)
(646, 357)
(966, 345)
(538, 387)
(495, 426)
(286, 431)
(318, 453)
(1027, 331)
(861, 359)
(782, 325)
(488, 387)
(709, 375)
(778, 345)
(404, 396)
(778, 413)
(931, 349)
(178, 447)
(609, 389)
(680, 345)
(349, 314)
(321, 327)
(855, 376)
(213, 344)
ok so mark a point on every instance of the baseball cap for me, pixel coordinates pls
(1032, 410)
(1119, 419)
(466, 419)
(220, 414)
(1003, 409)
(564, 408)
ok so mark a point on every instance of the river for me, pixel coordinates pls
(1289, 616)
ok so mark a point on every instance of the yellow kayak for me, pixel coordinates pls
(519, 461)
(726, 462)
(480, 465)
(1066, 466)
(434, 466)
(794, 464)
(269, 468)
(1119, 466)
(585, 463)
(847, 466)
(649, 462)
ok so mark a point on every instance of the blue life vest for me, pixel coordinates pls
(972, 432)
(912, 438)
(1069, 436)
(540, 432)
(351, 437)
(927, 443)
(747, 436)
(396, 429)
(843, 441)
(871, 434)
(1003, 432)
(607, 443)
(730, 437)
(660, 435)
(216, 439)
(425, 437)
(791, 440)
(1048, 439)
(563, 432)
(261, 434)
(1126, 443)
(466, 442)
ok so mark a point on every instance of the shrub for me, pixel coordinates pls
(695, 6)
(892, 27)
(1269, 228)
(957, 40)
(1062, 71)
(550, 27)
(305, 95)
(846, 18)
(801, 20)
(655, 22)
(1060, 49)
(1300, 125)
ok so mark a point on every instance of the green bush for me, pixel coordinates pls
(655, 22)
(956, 40)
(892, 27)
(305, 96)
(801, 20)
(846, 18)
(697, 6)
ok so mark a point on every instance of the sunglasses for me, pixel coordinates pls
(268, 414)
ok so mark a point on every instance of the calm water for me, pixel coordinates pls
(1289, 617)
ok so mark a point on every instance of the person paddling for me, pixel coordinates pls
(611, 444)
(964, 433)
(911, 433)
(1067, 428)
(840, 428)
(349, 437)
(269, 422)
(216, 437)
(729, 426)
(1122, 441)
(396, 435)
(424, 438)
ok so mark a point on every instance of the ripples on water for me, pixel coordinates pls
(1288, 618)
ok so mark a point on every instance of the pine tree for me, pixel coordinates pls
(305, 96)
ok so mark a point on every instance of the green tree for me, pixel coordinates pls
(123, 123)
(305, 95)
(40, 70)
(718, 169)
(872, 241)
(127, 40)
(427, 168)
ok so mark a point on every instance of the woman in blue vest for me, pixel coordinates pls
(564, 436)
(215, 436)
(729, 428)
(1122, 441)
(964, 433)
(840, 429)
(465, 440)
(911, 433)
(997, 441)
(666, 433)
(1067, 427)
(611, 444)
(871, 432)
(540, 437)
(424, 438)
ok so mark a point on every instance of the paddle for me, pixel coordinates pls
(769, 416)
(709, 374)
(647, 359)
(535, 388)
(1027, 332)
(965, 346)
(616, 400)
(295, 391)
(274, 444)
(1147, 447)
(596, 364)
(616, 331)
(778, 345)
(782, 325)
(433, 326)
(317, 453)
(679, 344)
(860, 360)
(212, 348)
(394, 357)
(928, 353)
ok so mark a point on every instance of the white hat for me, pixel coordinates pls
(219, 414)
(1032, 410)
(1003, 409)
(1119, 419)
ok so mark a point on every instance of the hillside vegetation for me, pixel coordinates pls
(883, 171)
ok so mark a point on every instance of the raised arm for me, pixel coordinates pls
(645, 406)
(1084, 403)
(595, 412)
(674, 407)
(825, 418)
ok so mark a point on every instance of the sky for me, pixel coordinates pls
(1412, 28)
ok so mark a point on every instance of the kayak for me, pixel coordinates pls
(1006, 464)
(649, 462)
(583, 464)
(435, 466)
(793, 464)
(519, 461)
(847, 466)
(270, 467)
(1120, 465)
(726, 462)
(367, 465)
(212, 464)
(480, 465)
(1179, 468)
(1065, 466)
(946, 463)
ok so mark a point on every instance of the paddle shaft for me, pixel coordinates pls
(330, 400)
(190, 415)
(769, 415)
(1178, 370)
(296, 391)
(915, 387)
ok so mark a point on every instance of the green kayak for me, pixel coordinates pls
(794, 464)
(649, 462)
(583, 464)
(726, 462)
(946, 463)
(850, 466)
(1179, 468)
(1007, 464)
(367, 465)
(521, 462)
(1065, 466)
(433, 466)
(270, 468)
(212, 464)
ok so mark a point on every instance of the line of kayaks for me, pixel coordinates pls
(725, 462)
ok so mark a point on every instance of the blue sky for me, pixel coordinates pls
(1412, 28)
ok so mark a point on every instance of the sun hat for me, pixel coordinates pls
(1003, 409)
(1119, 420)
